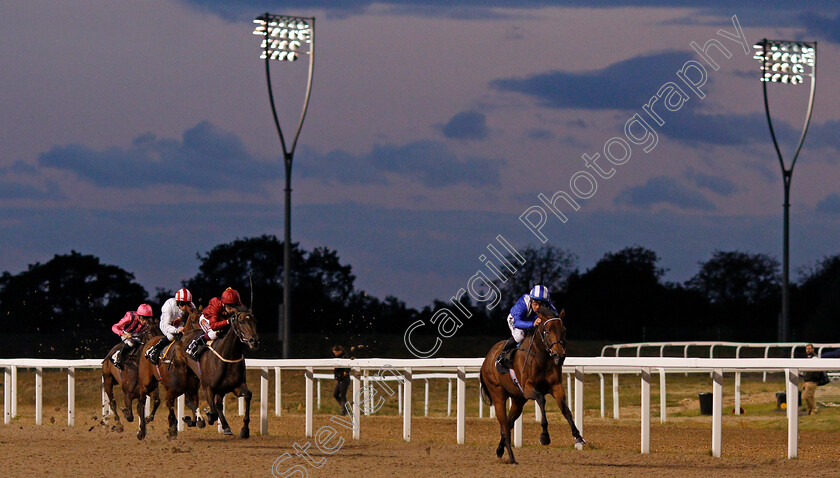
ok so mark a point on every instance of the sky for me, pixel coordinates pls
(141, 132)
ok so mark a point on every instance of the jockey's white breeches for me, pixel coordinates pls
(205, 326)
(518, 334)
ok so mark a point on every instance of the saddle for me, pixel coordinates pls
(163, 354)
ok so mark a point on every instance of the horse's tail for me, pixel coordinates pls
(485, 395)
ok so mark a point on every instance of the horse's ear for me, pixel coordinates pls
(562, 313)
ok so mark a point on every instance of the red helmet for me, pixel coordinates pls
(231, 297)
(183, 295)
(145, 309)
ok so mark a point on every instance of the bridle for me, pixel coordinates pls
(544, 336)
(235, 327)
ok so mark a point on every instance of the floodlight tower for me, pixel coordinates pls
(285, 39)
(787, 63)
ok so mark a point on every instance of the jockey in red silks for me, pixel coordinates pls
(130, 328)
(173, 317)
(214, 319)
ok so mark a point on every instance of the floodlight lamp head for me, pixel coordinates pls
(785, 61)
(286, 37)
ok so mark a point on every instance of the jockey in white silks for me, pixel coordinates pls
(173, 318)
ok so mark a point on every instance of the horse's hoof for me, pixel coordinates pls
(500, 452)
(227, 431)
(150, 418)
(173, 432)
(580, 441)
(513, 462)
(545, 439)
(141, 434)
(200, 423)
(245, 433)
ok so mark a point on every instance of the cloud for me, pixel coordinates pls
(828, 27)
(206, 157)
(824, 135)
(466, 125)
(17, 190)
(717, 184)
(725, 129)
(431, 163)
(830, 205)
(625, 85)
(664, 190)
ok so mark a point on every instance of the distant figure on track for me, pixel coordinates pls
(342, 377)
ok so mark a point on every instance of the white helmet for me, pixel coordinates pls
(183, 295)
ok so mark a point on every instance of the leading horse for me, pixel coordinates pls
(538, 366)
(221, 368)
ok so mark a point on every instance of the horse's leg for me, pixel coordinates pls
(155, 404)
(213, 413)
(243, 391)
(129, 417)
(560, 396)
(141, 409)
(219, 402)
(516, 406)
(108, 386)
(545, 439)
(173, 420)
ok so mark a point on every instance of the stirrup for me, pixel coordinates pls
(151, 355)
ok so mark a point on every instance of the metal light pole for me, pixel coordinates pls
(788, 63)
(286, 38)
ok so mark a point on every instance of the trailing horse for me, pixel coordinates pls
(128, 380)
(221, 368)
(538, 366)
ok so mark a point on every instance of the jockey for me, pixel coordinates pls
(173, 317)
(214, 318)
(522, 319)
(130, 328)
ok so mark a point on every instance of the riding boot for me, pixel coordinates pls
(116, 358)
(153, 354)
(119, 355)
(503, 362)
(196, 347)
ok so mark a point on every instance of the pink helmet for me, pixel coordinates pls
(145, 309)
(183, 295)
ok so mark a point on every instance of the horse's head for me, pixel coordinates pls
(244, 325)
(553, 334)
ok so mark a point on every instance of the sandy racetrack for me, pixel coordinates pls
(678, 449)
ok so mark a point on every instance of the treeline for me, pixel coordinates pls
(623, 297)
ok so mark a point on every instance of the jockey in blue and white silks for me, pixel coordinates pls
(521, 319)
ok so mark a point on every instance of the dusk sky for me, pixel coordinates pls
(140, 132)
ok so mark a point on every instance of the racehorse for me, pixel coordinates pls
(177, 378)
(539, 371)
(128, 380)
(222, 367)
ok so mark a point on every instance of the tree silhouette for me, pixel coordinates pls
(69, 293)
(743, 292)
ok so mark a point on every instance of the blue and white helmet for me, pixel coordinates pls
(539, 292)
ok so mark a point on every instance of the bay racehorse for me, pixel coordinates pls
(128, 380)
(221, 367)
(177, 378)
(538, 365)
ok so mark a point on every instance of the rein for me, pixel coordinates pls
(543, 334)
